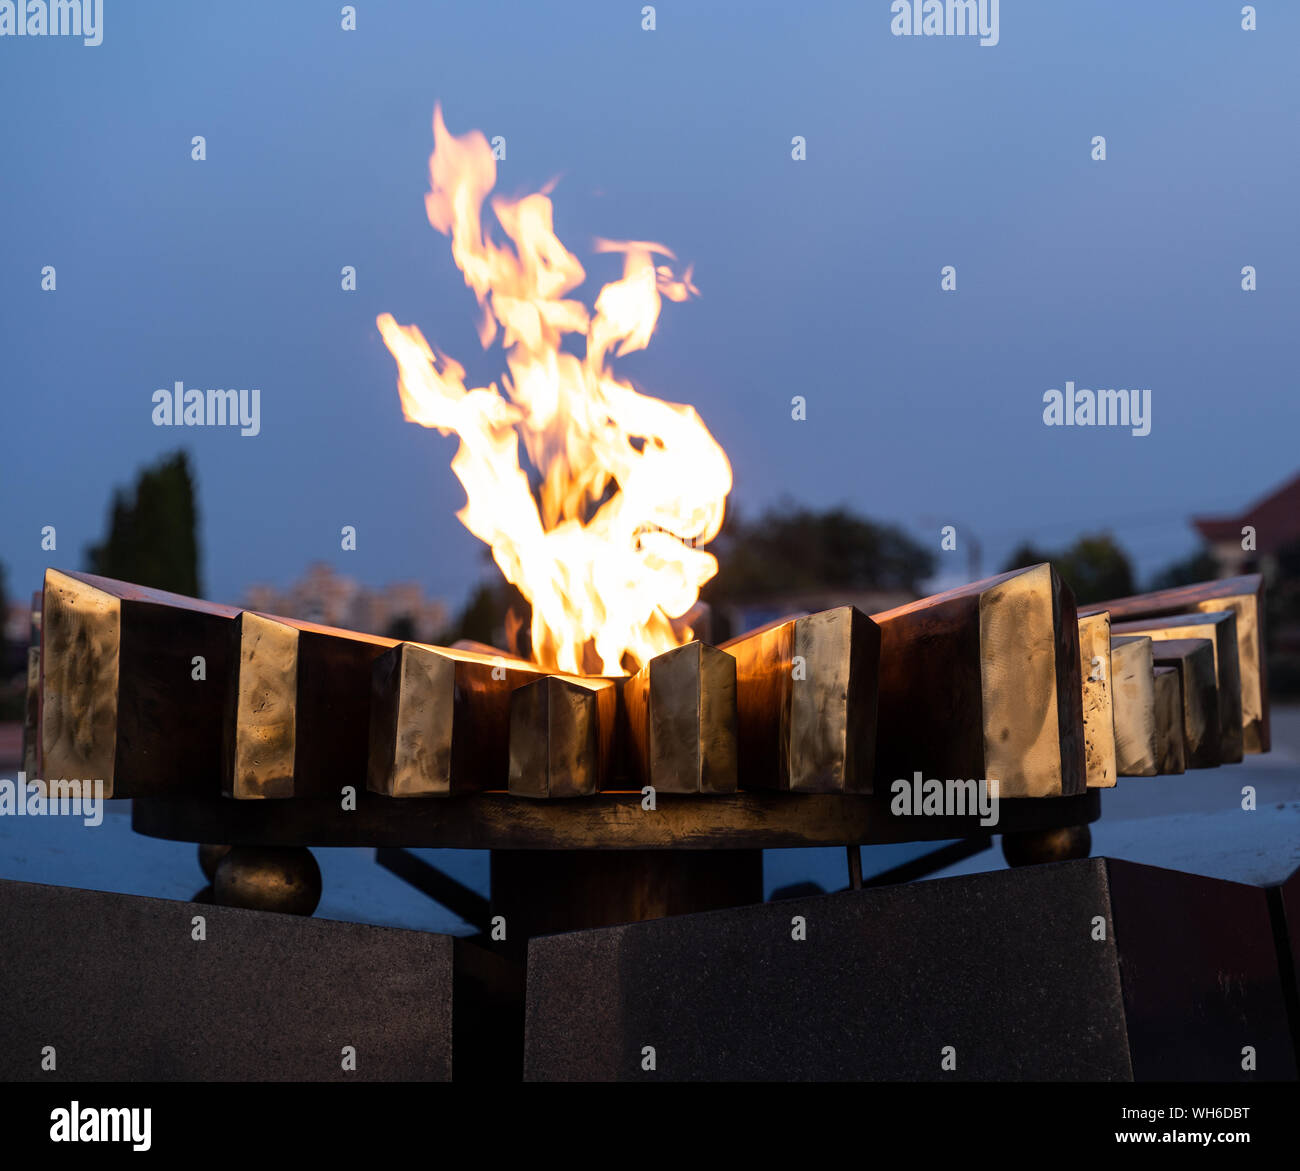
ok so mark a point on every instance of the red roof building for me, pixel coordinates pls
(1275, 521)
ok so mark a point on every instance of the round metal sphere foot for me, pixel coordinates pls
(1049, 845)
(210, 858)
(268, 878)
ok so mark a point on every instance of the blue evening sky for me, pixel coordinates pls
(818, 278)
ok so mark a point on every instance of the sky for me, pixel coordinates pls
(818, 277)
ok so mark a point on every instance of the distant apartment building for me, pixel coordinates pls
(17, 621)
(17, 634)
(323, 595)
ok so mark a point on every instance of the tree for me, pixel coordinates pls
(496, 614)
(153, 531)
(1097, 569)
(790, 549)
(1288, 563)
(1282, 623)
(13, 665)
(1026, 554)
(786, 550)
(402, 628)
(1201, 566)
(1094, 567)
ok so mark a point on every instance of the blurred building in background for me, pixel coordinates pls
(1276, 523)
(323, 595)
(1265, 539)
(17, 621)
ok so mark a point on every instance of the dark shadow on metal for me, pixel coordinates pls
(442, 888)
(605, 821)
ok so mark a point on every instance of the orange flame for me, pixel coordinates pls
(607, 551)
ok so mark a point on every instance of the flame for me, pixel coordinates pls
(607, 548)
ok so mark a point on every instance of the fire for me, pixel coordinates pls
(628, 486)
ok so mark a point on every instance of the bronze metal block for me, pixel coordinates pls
(32, 713)
(562, 735)
(1244, 596)
(1171, 748)
(983, 682)
(119, 698)
(301, 721)
(806, 693)
(681, 721)
(31, 759)
(1221, 628)
(1098, 717)
(261, 734)
(411, 707)
(1133, 700)
(440, 720)
(1194, 658)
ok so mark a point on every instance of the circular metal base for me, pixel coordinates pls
(608, 821)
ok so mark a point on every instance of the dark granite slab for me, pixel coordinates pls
(121, 989)
(1002, 968)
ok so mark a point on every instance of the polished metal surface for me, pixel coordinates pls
(562, 736)
(806, 693)
(268, 878)
(681, 721)
(32, 714)
(1171, 748)
(79, 701)
(983, 682)
(440, 720)
(1133, 698)
(411, 707)
(122, 700)
(1194, 658)
(261, 737)
(1244, 596)
(1220, 627)
(1035, 847)
(1098, 716)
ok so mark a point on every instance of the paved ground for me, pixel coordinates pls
(1194, 822)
